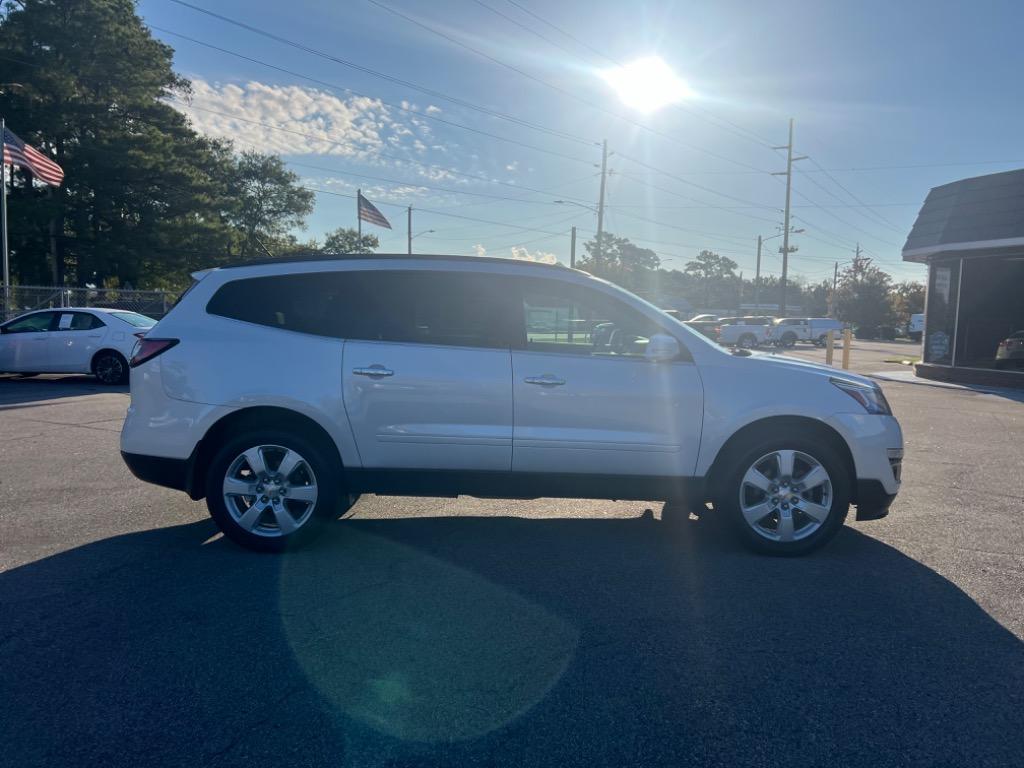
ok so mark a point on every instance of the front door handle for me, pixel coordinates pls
(547, 380)
(374, 371)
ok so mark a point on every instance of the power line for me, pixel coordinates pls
(558, 89)
(728, 209)
(335, 87)
(715, 119)
(881, 219)
(390, 78)
(336, 143)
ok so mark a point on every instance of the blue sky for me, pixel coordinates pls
(889, 100)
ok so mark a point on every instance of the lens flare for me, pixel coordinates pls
(647, 84)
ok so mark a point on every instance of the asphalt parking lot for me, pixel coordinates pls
(424, 632)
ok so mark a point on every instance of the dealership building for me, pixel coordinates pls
(970, 233)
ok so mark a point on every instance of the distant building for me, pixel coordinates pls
(970, 233)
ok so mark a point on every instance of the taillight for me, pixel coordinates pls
(718, 329)
(139, 335)
(147, 349)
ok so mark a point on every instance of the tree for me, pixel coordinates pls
(141, 188)
(619, 260)
(344, 240)
(862, 295)
(712, 272)
(907, 299)
(269, 202)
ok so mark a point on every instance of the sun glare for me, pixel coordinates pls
(647, 84)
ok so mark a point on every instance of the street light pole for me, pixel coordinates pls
(410, 230)
(572, 249)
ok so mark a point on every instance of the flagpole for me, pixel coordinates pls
(3, 221)
(359, 219)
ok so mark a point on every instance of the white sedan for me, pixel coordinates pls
(72, 340)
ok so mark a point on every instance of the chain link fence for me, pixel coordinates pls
(24, 298)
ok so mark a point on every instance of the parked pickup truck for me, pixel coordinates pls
(789, 330)
(745, 332)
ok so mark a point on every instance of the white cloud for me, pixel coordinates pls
(519, 252)
(315, 122)
(480, 250)
(432, 110)
(514, 165)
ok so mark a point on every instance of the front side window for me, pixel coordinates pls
(32, 324)
(568, 319)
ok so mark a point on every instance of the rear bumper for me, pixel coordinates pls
(873, 501)
(170, 473)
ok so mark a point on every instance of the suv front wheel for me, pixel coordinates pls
(267, 489)
(785, 496)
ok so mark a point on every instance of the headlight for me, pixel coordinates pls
(871, 398)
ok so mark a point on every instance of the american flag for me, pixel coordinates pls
(17, 152)
(368, 212)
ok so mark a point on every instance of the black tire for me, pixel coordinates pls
(727, 499)
(110, 367)
(747, 341)
(788, 340)
(330, 503)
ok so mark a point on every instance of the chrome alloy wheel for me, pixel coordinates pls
(786, 495)
(270, 490)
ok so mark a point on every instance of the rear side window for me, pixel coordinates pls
(134, 318)
(411, 306)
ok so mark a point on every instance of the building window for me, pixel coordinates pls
(943, 290)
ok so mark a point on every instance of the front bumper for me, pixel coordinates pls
(873, 501)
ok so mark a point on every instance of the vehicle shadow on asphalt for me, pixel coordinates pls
(18, 391)
(500, 641)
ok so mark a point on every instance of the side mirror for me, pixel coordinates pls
(662, 348)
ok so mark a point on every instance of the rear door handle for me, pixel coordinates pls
(547, 380)
(374, 371)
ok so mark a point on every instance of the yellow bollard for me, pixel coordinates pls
(829, 344)
(847, 336)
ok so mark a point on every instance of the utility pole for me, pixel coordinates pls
(572, 250)
(410, 231)
(788, 173)
(359, 217)
(600, 199)
(832, 296)
(757, 276)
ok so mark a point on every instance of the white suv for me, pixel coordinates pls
(282, 390)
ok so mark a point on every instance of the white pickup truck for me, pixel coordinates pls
(789, 330)
(745, 332)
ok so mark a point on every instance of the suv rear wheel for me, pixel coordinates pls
(748, 341)
(267, 489)
(785, 496)
(788, 339)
